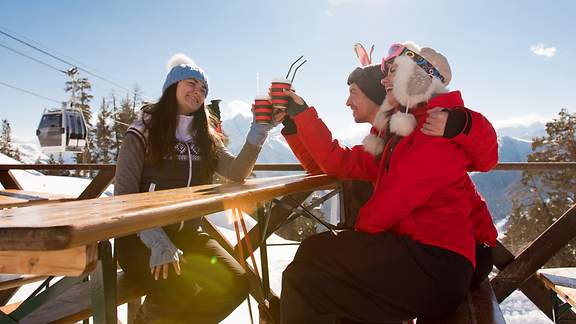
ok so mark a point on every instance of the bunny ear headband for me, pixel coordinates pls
(363, 56)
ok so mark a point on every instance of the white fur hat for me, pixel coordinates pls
(420, 74)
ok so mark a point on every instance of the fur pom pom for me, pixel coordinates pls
(178, 59)
(402, 124)
(381, 120)
(373, 144)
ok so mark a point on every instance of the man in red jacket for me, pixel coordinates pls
(406, 236)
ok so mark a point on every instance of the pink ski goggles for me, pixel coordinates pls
(398, 50)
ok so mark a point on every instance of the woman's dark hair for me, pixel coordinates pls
(162, 129)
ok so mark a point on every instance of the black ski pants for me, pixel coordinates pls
(365, 278)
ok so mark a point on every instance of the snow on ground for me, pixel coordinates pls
(516, 308)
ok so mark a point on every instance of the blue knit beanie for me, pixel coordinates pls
(181, 67)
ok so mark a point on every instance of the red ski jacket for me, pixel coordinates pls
(422, 189)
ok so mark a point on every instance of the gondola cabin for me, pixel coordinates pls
(62, 130)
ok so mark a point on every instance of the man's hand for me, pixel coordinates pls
(436, 122)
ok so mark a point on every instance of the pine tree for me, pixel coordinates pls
(5, 138)
(51, 161)
(124, 115)
(103, 135)
(80, 98)
(544, 196)
(17, 156)
(6, 145)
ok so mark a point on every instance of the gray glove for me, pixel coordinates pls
(258, 133)
(162, 250)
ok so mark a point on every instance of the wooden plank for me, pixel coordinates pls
(278, 167)
(536, 255)
(19, 198)
(565, 277)
(8, 180)
(81, 166)
(69, 224)
(479, 307)
(8, 202)
(15, 281)
(70, 262)
(540, 166)
(98, 185)
(533, 288)
(75, 305)
(282, 166)
(562, 281)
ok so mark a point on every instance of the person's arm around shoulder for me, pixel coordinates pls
(469, 129)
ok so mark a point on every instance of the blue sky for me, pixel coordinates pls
(488, 44)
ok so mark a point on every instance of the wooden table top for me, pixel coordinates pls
(562, 281)
(55, 226)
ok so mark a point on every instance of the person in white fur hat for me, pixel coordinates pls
(415, 232)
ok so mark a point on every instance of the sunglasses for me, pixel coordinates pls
(398, 50)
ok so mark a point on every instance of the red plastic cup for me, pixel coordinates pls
(263, 110)
(279, 99)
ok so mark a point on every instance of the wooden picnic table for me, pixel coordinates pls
(58, 226)
(60, 238)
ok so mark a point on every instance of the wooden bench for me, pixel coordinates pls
(562, 284)
(479, 307)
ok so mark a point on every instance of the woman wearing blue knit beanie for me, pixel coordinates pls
(172, 144)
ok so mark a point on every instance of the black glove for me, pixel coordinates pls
(289, 126)
(294, 108)
(455, 123)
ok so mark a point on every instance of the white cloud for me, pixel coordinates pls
(329, 13)
(540, 50)
(236, 107)
(522, 121)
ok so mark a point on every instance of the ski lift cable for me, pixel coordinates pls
(64, 61)
(50, 99)
(30, 92)
(59, 53)
(32, 58)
